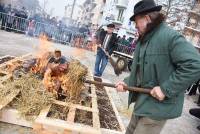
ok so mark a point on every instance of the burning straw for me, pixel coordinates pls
(33, 96)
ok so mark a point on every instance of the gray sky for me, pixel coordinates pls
(58, 6)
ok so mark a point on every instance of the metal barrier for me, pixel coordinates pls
(125, 49)
(55, 33)
(10, 22)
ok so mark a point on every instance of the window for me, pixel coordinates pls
(120, 15)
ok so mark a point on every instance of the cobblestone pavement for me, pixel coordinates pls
(18, 44)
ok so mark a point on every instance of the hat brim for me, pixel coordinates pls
(156, 8)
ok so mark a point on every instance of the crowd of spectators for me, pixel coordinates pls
(18, 20)
(129, 42)
(10, 18)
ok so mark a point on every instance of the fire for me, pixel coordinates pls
(53, 77)
(41, 63)
(44, 46)
(42, 55)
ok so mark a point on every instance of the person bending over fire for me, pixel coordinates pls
(56, 67)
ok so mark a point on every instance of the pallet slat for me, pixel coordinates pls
(12, 116)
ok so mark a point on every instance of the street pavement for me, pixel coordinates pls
(19, 44)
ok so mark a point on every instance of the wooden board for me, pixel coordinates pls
(6, 56)
(70, 126)
(21, 58)
(12, 116)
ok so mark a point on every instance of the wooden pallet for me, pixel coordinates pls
(69, 127)
(44, 124)
(9, 115)
(6, 75)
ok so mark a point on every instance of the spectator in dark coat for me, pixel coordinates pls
(107, 42)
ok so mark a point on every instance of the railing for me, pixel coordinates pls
(10, 22)
(55, 33)
(125, 49)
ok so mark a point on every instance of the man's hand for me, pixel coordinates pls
(157, 93)
(120, 86)
(106, 52)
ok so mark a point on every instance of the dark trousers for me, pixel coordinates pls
(193, 88)
(100, 63)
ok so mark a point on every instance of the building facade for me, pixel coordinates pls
(192, 28)
(119, 12)
(91, 13)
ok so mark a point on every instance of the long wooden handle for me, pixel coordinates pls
(135, 89)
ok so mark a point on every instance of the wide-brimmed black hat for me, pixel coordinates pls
(145, 6)
(111, 25)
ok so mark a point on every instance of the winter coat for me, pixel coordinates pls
(164, 58)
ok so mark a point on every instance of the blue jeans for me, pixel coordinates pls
(100, 63)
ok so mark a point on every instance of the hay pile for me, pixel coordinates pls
(32, 97)
(72, 81)
(6, 90)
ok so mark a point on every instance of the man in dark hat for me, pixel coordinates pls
(107, 42)
(163, 62)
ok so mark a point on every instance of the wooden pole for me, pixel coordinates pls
(135, 89)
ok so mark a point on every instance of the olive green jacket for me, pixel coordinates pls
(164, 59)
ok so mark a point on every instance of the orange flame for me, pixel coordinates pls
(44, 46)
(42, 54)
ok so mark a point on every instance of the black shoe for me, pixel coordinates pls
(198, 127)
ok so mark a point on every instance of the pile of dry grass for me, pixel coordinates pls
(6, 90)
(72, 81)
(32, 97)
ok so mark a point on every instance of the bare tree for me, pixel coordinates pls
(30, 5)
(176, 12)
(44, 5)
